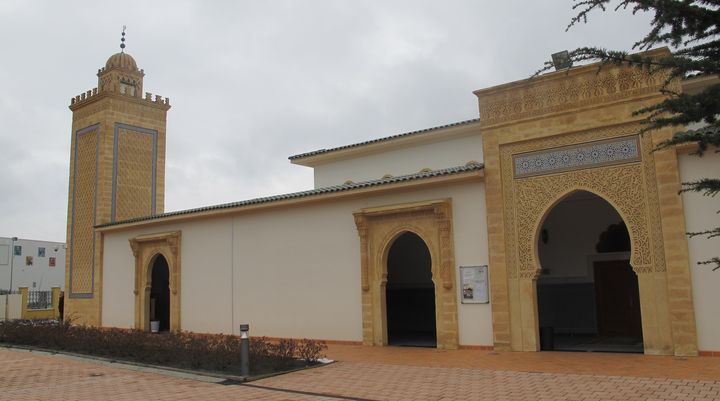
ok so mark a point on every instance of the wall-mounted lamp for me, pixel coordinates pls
(561, 60)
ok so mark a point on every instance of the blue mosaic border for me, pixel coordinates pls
(575, 157)
(95, 128)
(154, 134)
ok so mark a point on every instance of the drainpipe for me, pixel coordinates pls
(14, 239)
(12, 257)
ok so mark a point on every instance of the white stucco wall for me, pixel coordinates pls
(701, 214)
(291, 272)
(406, 160)
(38, 276)
(118, 307)
(206, 258)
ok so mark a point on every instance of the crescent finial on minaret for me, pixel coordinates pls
(122, 40)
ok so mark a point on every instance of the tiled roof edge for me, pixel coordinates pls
(384, 139)
(308, 193)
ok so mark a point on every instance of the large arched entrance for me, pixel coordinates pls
(588, 294)
(160, 293)
(410, 293)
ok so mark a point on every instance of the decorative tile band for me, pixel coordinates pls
(576, 157)
(84, 210)
(137, 168)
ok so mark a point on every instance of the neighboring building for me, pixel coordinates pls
(37, 265)
(547, 214)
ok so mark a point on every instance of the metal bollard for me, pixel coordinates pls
(244, 350)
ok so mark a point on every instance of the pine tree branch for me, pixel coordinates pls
(712, 261)
(715, 232)
(675, 22)
(604, 56)
(704, 138)
(706, 186)
(691, 28)
(684, 109)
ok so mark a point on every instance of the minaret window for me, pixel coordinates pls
(126, 88)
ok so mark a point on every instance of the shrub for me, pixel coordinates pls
(282, 354)
(217, 352)
(310, 351)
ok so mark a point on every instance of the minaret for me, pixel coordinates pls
(117, 172)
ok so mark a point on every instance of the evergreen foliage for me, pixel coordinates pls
(185, 350)
(691, 29)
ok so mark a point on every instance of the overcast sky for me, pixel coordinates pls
(253, 82)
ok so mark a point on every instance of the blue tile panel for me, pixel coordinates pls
(575, 157)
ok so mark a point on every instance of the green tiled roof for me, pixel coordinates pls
(309, 193)
(387, 138)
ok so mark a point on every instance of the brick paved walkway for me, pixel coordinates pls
(381, 374)
(635, 365)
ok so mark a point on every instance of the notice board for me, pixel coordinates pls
(474, 284)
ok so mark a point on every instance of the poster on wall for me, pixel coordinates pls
(474, 284)
(51, 262)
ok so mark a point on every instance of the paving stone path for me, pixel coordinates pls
(396, 376)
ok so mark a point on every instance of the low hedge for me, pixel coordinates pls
(212, 352)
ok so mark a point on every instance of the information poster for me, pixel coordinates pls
(474, 281)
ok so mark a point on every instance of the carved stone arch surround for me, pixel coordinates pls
(628, 202)
(631, 188)
(378, 228)
(146, 248)
(558, 199)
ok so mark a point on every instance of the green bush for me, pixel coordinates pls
(214, 352)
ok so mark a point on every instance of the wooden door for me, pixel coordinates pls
(617, 299)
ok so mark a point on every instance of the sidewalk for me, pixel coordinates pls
(632, 365)
(370, 373)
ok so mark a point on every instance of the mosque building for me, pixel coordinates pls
(547, 222)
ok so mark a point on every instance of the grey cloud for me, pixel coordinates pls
(254, 82)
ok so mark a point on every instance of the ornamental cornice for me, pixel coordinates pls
(584, 88)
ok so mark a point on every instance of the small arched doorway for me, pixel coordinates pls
(160, 293)
(588, 294)
(410, 293)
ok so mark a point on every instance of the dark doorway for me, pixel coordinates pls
(160, 293)
(410, 293)
(617, 299)
(588, 294)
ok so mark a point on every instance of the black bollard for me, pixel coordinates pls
(244, 350)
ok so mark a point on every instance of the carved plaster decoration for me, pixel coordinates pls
(623, 186)
(527, 127)
(378, 228)
(629, 185)
(573, 91)
(146, 248)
